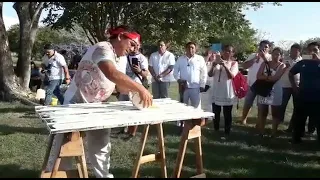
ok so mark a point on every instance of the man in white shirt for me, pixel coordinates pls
(160, 66)
(253, 64)
(137, 72)
(295, 56)
(190, 71)
(55, 68)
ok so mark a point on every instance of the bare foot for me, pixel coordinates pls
(243, 122)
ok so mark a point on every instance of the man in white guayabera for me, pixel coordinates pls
(190, 71)
(55, 68)
(95, 80)
(160, 67)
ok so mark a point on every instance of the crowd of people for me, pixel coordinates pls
(119, 64)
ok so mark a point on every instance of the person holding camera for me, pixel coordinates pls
(307, 92)
(270, 73)
(55, 68)
(137, 70)
(253, 64)
(223, 70)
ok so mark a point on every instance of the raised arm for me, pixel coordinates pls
(260, 74)
(279, 73)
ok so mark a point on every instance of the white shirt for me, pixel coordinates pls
(161, 63)
(122, 64)
(285, 77)
(222, 88)
(143, 62)
(89, 83)
(57, 61)
(253, 70)
(193, 70)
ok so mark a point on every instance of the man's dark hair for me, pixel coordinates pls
(296, 46)
(315, 43)
(191, 43)
(265, 42)
(48, 47)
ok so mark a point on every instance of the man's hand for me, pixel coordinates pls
(67, 81)
(136, 69)
(180, 81)
(145, 97)
(158, 78)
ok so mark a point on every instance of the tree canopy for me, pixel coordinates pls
(176, 22)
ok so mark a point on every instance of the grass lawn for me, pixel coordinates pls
(23, 141)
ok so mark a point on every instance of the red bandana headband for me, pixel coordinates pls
(131, 35)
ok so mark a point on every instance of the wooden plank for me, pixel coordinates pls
(62, 174)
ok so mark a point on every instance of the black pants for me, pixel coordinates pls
(227, 114)
(311, 123)
(303, 110)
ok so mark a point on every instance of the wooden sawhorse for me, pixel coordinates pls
(159, 156)
(72, 146)
(191, 130)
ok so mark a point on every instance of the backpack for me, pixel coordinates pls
(240, 85)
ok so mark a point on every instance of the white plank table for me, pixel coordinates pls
(74, 119)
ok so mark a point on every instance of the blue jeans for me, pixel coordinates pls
(53, 88)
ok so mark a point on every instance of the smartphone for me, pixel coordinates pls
(135, 61)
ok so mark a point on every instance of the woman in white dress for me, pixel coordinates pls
(274, 100)
(223, 71)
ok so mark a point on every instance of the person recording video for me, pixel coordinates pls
(137, 70)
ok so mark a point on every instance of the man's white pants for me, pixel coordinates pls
(99, 147)
(192, 94)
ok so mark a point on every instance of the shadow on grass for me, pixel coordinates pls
(247, 155)
(17, 110)
(6, 130)
(15, 171)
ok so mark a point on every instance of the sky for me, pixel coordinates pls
(288, 22)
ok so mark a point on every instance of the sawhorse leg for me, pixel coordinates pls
(191, 130)
(72, 146)
(160, 156)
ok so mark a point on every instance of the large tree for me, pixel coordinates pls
(8, 85)
(44, 36)
(29, 15)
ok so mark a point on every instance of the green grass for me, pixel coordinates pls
(23, 142)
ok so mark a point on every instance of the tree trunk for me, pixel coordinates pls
(8, 85)
(29, 15)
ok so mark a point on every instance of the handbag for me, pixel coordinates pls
(263, 87)
(144, 81)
